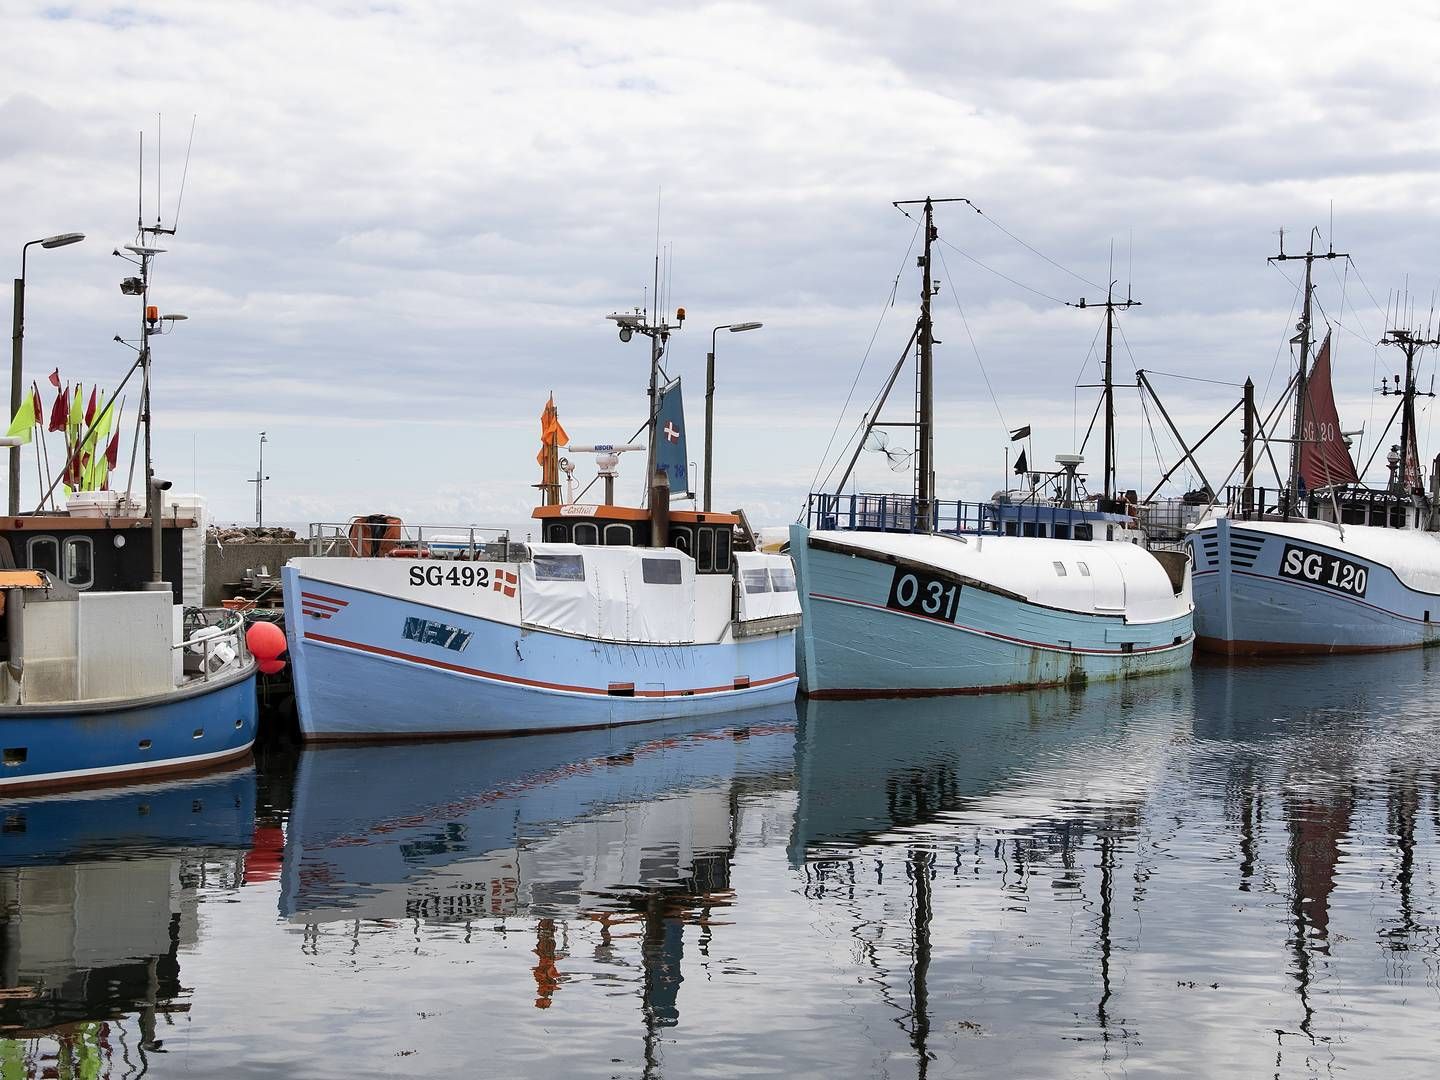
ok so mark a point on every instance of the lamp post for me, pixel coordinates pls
(734, 328)
(259, 483)
(17, 348)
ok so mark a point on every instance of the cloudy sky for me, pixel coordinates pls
(404, 223)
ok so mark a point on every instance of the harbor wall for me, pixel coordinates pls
(227, 563)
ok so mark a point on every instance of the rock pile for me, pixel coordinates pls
(249, 534)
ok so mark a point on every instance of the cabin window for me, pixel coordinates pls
(586, 533)
(782, 578)
(722, 550)
(756, 581)
(559, 567)
(619, 536)
(1355, 515)
(43, 553)
(1062, 531)
(705, 554)
(80, 561)
(1028, 529)
(1084, 570)
(660, 571)
(1059, 569)
(682, 539)
(1011, 529)
(557, 532)
(1397, 516)
(1084, 531)
(1109, 532)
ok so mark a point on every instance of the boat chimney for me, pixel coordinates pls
(660, 509)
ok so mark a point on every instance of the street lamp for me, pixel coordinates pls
(17, 338)
(259, 483)
(734, 328)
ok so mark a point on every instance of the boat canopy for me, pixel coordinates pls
(612, 593)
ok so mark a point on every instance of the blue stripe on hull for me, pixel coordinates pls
(63, 749)
(853, 645)
(1243, 606)
(369, 681)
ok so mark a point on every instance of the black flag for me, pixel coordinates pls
(1020, 433)
(1020, 467)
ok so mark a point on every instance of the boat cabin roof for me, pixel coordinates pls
(602, 511)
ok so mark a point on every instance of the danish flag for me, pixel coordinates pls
(672, 433)
(505, 582)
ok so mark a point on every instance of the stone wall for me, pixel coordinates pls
(227, 563)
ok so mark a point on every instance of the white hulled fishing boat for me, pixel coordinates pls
(905, 595)
(1327, 564)
(616, 615)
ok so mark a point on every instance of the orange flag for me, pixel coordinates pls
(551, 433)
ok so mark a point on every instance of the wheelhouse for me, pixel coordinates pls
(706, 537)
(1358, 505)
(95, 553)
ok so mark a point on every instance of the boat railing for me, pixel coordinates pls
(899, 513)
(352, 539)
(213, 640)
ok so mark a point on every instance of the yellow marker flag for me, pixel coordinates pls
(23, 422)
(77, 414)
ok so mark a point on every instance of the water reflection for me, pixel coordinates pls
(99, 893)
(630, 831)
(1234, 866)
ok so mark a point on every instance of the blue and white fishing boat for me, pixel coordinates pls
(1327, 564)
(105, 672)
(617, 615)
(905, 595)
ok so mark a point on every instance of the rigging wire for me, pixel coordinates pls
(1126, 342)
(1191, 378)
(1007, 277)
(1285, 340)
(839, 419)
(1074, 391)
(1034, 251)
(973, 348)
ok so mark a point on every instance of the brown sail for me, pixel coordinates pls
(1324, 457)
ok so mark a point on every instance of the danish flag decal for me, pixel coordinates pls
(505, 582)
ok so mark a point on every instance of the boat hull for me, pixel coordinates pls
(854, 644)
(191, 729)
(358, 677)
(1245, 606)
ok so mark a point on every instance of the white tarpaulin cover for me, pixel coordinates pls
(767, 585)
(611, 593)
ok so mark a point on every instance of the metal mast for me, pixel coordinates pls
(1410, 343)
(1292, 501)
(924, 372)
(925, 377)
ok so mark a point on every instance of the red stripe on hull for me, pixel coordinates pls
(996, 635)
(324, 599)
(1221, 647)
(497, 677)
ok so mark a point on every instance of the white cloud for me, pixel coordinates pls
(402, 227)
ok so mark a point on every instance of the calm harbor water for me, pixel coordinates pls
(1227, 872)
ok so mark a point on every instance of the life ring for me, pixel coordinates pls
(403, 553)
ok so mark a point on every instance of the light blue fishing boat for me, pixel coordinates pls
(906, 595)
(1327, 564)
